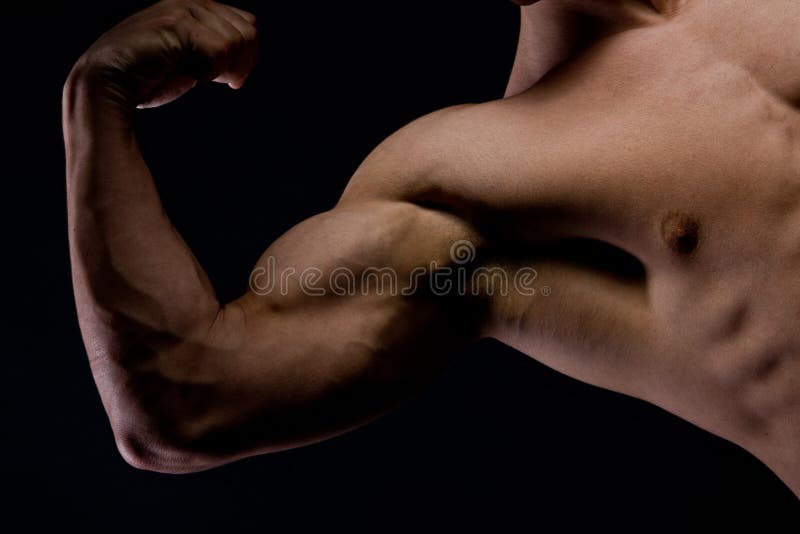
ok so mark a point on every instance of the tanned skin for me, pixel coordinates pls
(670, 133)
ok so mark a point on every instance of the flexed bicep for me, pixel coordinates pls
(346, 315)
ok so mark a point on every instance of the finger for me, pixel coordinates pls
(237, 60)
(241, 36)
(243, 21)
(246, 15)
(172, 89)
(211, 58)
(248, 53)
(214, 22)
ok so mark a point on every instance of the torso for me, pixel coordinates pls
(677, 141)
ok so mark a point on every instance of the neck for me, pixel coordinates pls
(552, 31)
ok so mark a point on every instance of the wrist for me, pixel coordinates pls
(94, 120)
(90, 88)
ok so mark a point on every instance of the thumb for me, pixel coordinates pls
(172, 89)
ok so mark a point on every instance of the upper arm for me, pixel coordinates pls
(340, 323)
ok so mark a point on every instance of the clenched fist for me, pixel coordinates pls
(159, 54)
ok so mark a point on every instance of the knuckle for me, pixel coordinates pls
(186, 5)
(250, 34)
(175, 17)
(250, 18)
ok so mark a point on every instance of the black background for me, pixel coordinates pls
(500, 442)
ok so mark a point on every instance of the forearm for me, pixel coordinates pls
(142, 298)
(130, 266)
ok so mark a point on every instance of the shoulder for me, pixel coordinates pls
(409, 159)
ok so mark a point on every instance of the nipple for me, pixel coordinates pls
(681, 233)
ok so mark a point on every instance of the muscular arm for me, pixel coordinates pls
(190, 383)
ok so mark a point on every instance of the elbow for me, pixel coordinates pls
(144, 452)
(174, 447)
(163, 421)
(141, 454)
